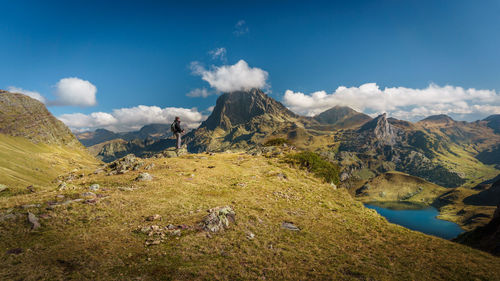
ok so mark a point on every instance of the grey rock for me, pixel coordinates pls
(62, 186)
(289, 226)
(35, 224)
(144, 177)
(149, 166)
(153, 217)
(250, 236)
(89, 194)
(29, 206)
(218, 219)
(94, 187)
(344, 176)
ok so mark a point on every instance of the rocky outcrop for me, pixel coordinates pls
(218, 219)
(382, 131)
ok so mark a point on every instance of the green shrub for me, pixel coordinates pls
(276, 142)
(317, 165)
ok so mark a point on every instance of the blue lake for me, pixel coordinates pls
(416, 217)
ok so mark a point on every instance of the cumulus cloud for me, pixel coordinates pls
(399, 102)
(230, 78)
(200, 93)
(75, 92)
(218, 53)
(70, 91)
(240, 28)
(132, 118)
(31, 94)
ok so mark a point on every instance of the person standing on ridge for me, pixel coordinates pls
(177, 130)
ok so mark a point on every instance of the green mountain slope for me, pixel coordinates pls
(35, 147)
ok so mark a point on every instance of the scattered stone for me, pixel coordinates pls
(14, 251)
(289, 226)
(94, 187)
(211, 153)
(334, 186)
(144, 177)
(152, 242)
(89, 194)
(62, 186)
(98, 171)
(344, 176)
(176, 232)
(7, 217)
(149, 166)
(250, 236)
(35, 224)
(3, 187)
(153, 218)
(124, 188)
(125, 164)
(29, 206)
(52, 205)
(90, 201)
(241, 184)
(171, 227)
(218, 219)
(60, 196)
(31, 189)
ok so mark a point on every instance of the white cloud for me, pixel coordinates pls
(230, 78)
(75, 92)
(200, 93)
(68, 91)
(218, 53)
(31, 94)
(132, 118)
(240, 28)
(399, 102)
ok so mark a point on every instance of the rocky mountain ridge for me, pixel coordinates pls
(22, 116)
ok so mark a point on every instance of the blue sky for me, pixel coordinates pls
(142, 53)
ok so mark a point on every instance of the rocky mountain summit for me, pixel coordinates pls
(244, 119)
(22, 116)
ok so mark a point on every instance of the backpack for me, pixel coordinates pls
(172, 127)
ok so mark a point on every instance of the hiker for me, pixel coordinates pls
(177, 130)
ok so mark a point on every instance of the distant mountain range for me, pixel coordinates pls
(151, 131)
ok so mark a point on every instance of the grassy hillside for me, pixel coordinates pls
(338, 239)
(397, 186)
(24, 163)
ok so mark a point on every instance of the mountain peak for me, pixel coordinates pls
(440, 118)
(22, 116)
(239, 107)
(381, 128)
(343, 116)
